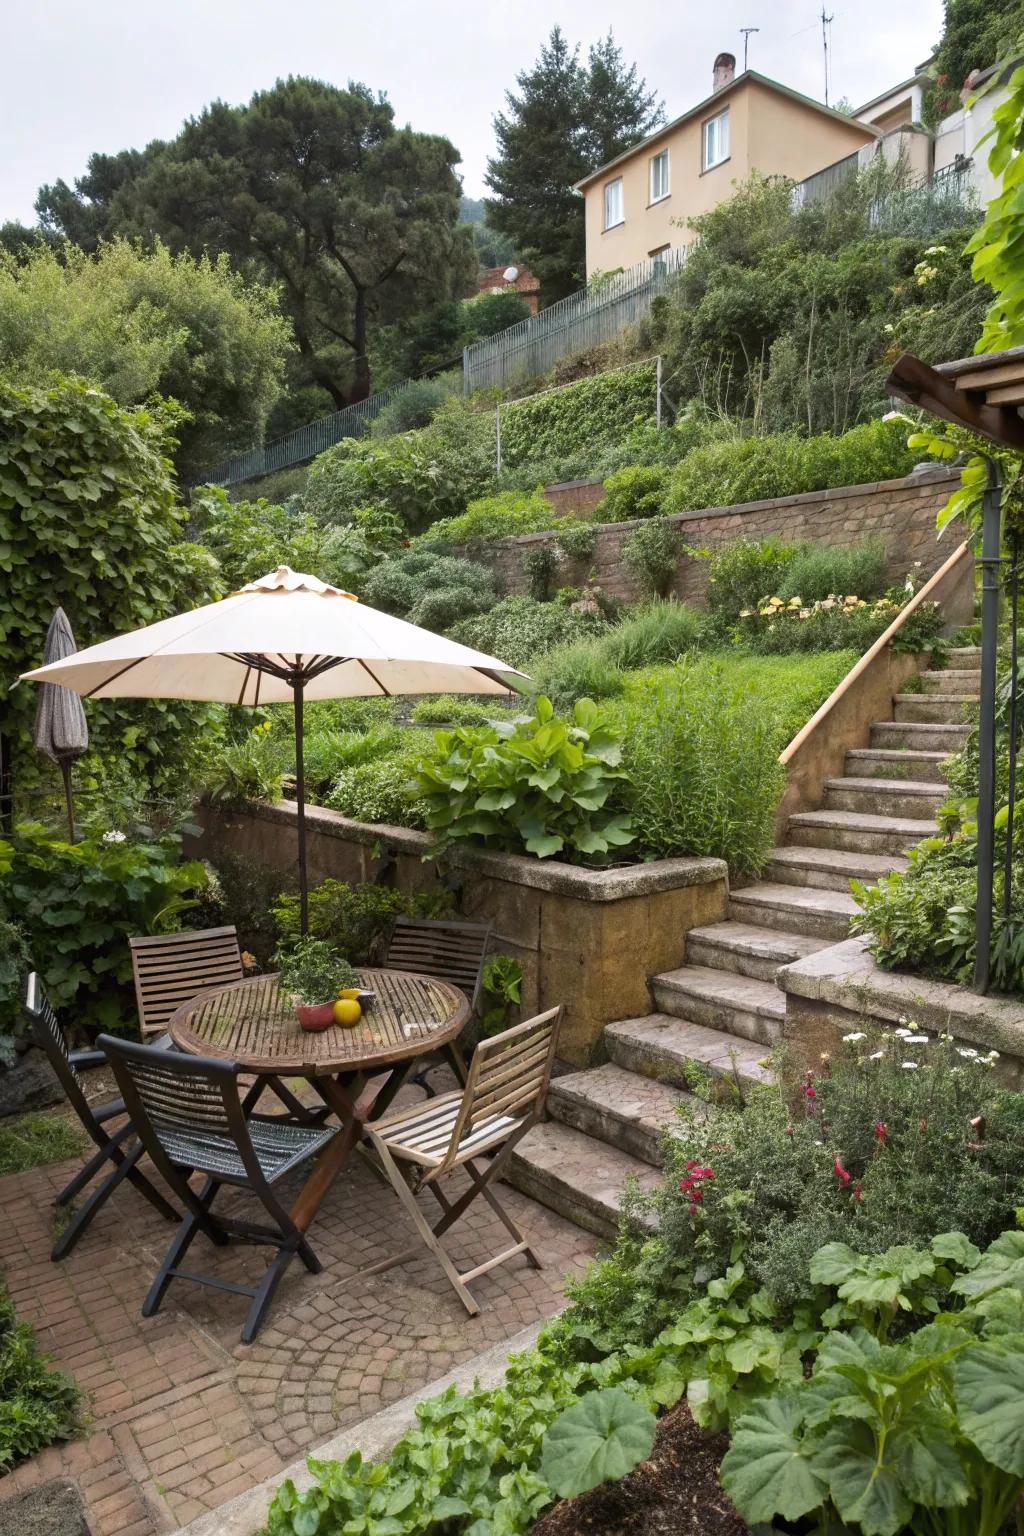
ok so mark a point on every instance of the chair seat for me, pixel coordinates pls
(423, 1134)
(279, 1147)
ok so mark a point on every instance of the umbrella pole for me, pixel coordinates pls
(300, 803)
(69, 799)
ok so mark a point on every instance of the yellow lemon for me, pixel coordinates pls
(347, 1012)
(352, 993)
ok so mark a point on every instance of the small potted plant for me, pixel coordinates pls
(313, 974)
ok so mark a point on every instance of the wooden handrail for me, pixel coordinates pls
(923, 596)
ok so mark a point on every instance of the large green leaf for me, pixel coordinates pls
(928, 1463)
(768, 1470)
(600, 1438)
(866, 1490)
(989, 1388)
(1002, 1263)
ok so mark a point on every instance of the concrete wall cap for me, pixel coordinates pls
(517, 869)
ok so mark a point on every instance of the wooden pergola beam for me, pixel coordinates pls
(923, 386)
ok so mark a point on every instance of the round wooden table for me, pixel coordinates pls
(356, 1071)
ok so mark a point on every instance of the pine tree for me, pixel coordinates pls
(566, 119)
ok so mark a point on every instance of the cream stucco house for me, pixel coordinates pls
(637, 205)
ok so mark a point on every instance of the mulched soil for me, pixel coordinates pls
(675, 1493)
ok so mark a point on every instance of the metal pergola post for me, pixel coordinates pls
(991, 584)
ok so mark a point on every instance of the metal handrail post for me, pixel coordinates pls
(991, 529)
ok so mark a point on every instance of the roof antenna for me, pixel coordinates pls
(826, 22)
(746, 43)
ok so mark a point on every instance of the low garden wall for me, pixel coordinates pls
(836, 991)
(900, 512)
(585, 938)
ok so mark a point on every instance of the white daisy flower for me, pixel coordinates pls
(967, 1053)
(114, 837)
(876, 1056)
(909, 1066)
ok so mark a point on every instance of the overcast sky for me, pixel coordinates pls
(109, 74)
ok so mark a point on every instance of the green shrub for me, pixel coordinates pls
(382, 792)
(415, 405)
(580, 671)
(543, 786)
(818, 571)
(450, 709)
(652, 553)
(518, 628)
(577, 541)
(89, 522)
(38, 1405)
(502, 516)
(325, 753)
(250, 538)
(78, 904)
(760, 468)
(430, 589)
(650, 634)
(585, 415)
(834, 624)
(702, 758)
(242, 890)
(541, 565)
(742, 573)
(250, 769)
(633, 492)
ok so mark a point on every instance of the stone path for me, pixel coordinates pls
(182, 1416)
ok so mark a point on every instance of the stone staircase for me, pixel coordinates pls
(721, 1011)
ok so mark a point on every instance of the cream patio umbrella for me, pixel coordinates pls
(283, 639)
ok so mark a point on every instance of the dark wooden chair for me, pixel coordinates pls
(117, 1151)
(504, 1096)
(172, 968)
(191, 1119)
(451, 950)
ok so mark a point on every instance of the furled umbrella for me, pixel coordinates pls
(61, 728)
(286, 638)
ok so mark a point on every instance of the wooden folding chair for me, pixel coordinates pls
(453, 951)
(121, 1148)
(503, 1097)
(172, 968)
(191, 1119)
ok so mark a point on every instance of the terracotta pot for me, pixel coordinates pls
(314, 1016)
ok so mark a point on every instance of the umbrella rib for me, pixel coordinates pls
(385, 691)
(114, 677)
(245, 684)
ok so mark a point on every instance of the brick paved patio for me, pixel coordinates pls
(182, 1416)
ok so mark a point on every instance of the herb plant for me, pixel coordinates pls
(313, 971)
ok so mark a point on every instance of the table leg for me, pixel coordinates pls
(353, 1115)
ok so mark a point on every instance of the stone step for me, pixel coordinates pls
(934, 708)
(965, 656)
(624, 1109)
(895, 763)
(884, 797)
(740, 1005)
(676, 1051)
(858, 832)
(823, 914)
(952, 680)
(919, 735)
(580, 1178)
(747, 949)
(830, 869)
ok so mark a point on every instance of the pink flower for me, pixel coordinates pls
(881, 1131)
(840, 1172)
(810, 1091)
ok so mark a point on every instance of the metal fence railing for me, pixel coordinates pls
(586, 319)
(305, 442)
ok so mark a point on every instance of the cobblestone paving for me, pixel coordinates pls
(182, 1416)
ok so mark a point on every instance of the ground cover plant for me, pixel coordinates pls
(27, 1141)
(38, 1405)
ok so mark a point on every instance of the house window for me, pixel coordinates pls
(716, 140)
(659, 257)
(613, 211)
(659, 176)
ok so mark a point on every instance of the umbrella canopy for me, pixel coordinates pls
(284, 638)
(249, 647)
(61, 732)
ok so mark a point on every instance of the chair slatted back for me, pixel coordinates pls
(436, 947)
(508, 1077)
(51, 1037)
(172, 968)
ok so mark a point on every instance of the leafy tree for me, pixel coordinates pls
(997, 245)
(312, 187)
(99, 205)
(492, 249)
(139, 324)
(89, 522)
(567, 119)
(976, 34)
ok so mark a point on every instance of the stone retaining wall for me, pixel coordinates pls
(901, 512)
(586, 938)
